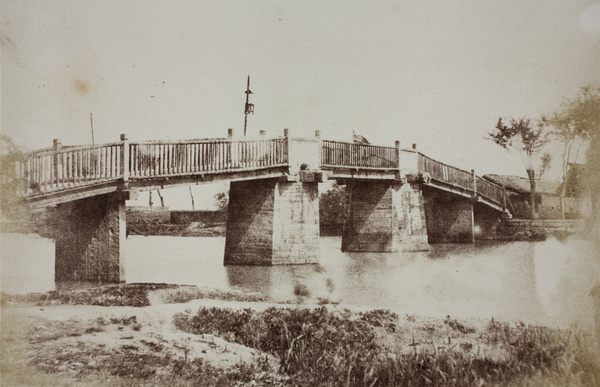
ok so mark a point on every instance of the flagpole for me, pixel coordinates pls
(248, 107)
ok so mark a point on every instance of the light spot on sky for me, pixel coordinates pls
(590, 19)
(81, 86)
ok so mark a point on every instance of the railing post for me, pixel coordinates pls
(124, 167)
(228, 148)
(57, 145)
(397, 145)
(320, 156)
(286, 134)
(474, 182)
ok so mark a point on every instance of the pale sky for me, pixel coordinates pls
(435, 73)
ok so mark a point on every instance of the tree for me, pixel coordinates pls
(162, 200)
(573, 125)
(522, 138)
(584, 111)
(333, 204)
(221, 200)
(546, 159)
(11, 182)
(592, 179)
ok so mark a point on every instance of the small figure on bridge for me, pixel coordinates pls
(357, 138)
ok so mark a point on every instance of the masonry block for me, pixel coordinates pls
(384, 217)
(272, 222)
(449, 217)
(90, 238)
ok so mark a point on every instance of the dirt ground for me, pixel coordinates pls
(84, 335)
(67, 345)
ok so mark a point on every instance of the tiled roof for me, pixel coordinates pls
(521, 184)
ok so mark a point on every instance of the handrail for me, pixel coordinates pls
(64, 167)
(463, 179)
(491, 191)
(67, 148)
(207, 140)
(445, 173)
(179, 158)
(355, 155)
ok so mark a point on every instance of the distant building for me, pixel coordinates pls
(547, 199)
(575, 181)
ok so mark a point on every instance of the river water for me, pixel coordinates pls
(541, 282)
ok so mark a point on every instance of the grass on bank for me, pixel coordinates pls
(313, 346)
(135, 294)
(319, 347)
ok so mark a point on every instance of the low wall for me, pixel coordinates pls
(210, 217)
(523, 229)
(550, 208)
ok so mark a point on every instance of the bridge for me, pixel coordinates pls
(399, 199)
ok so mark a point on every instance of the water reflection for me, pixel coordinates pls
(545, 282)
(27, 263)
(565, 273)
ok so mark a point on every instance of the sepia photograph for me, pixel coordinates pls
(300, 193)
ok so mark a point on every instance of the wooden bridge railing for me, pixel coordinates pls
(465, 180)
(173, 158)
(491, 191)
(445, 173)
(61, 168)
(355, 155)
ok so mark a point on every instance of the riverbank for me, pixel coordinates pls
(158, 221)
(156, 334)
(536, 230)
(161, 222)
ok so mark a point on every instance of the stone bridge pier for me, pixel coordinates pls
(450, 217)
(385, 216)
(90, 234)
(276, 221)
(271, 222)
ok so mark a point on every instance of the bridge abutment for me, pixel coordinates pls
(450, 218)
(272, 222)
(90, 238)
(385, 217)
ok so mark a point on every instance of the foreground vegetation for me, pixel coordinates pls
(147, 342)
(319, 347)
